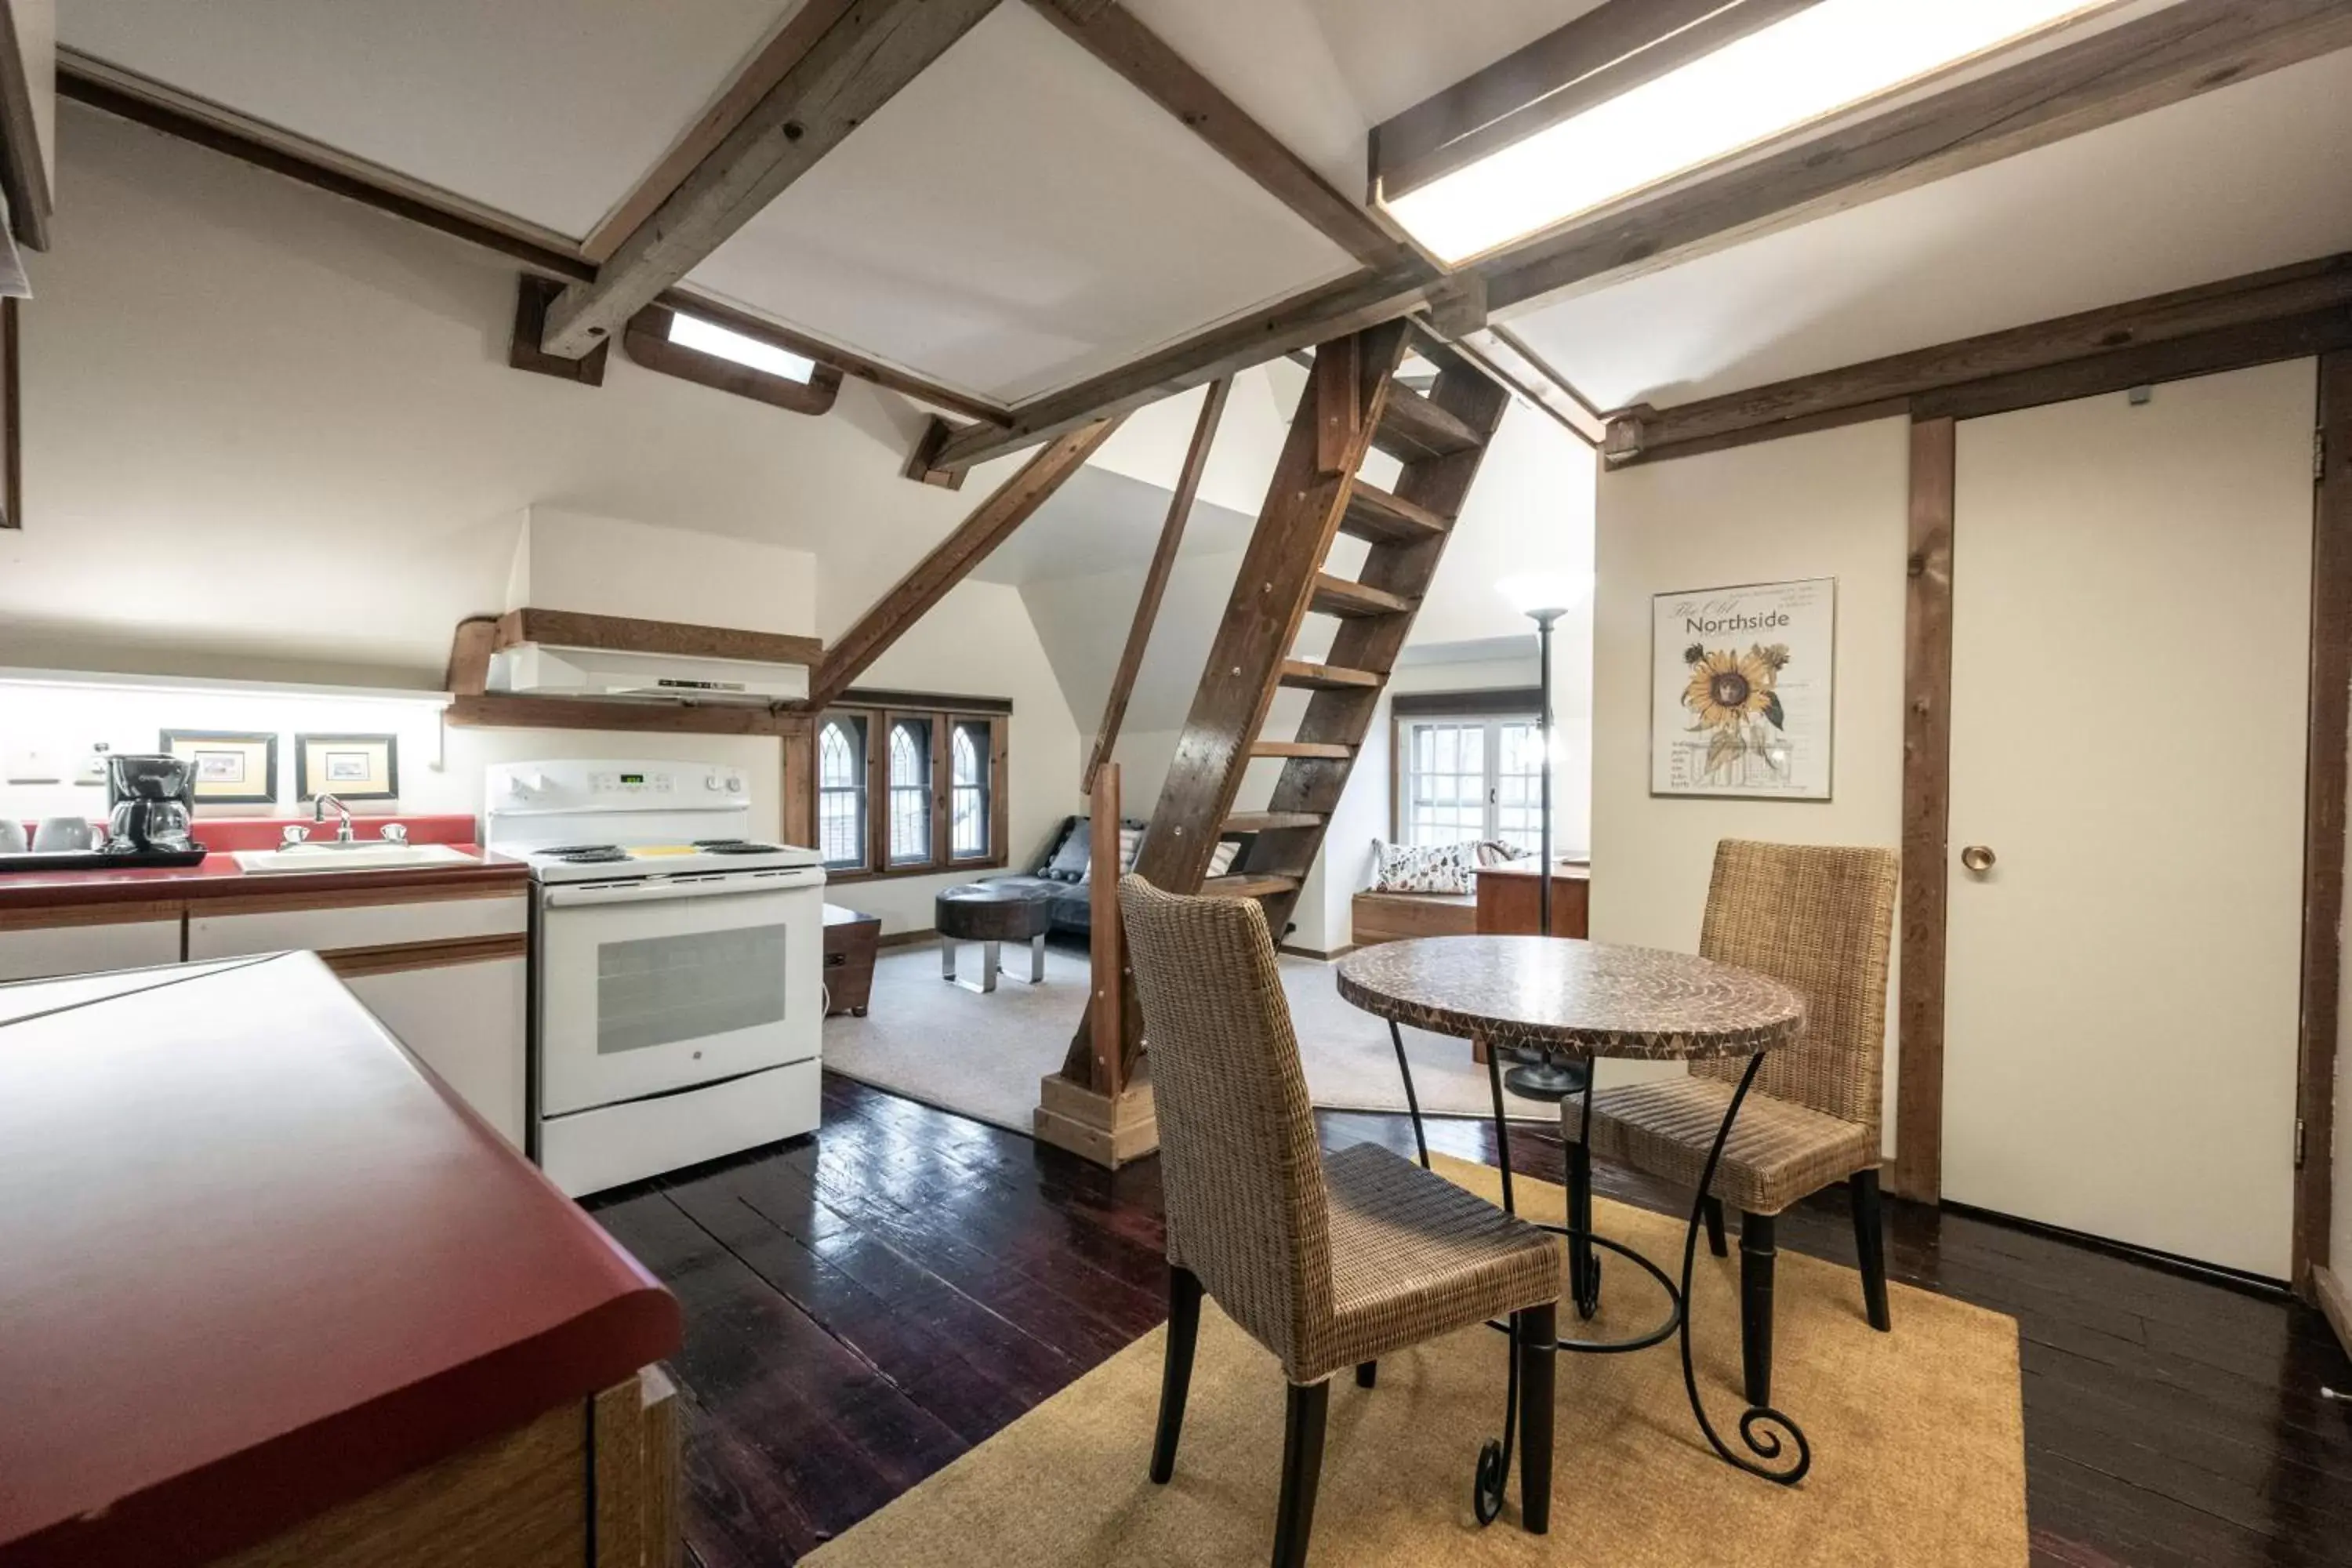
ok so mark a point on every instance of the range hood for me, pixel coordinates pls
(541, 669)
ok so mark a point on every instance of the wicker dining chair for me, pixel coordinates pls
(1819, 920)
(1329, 1261)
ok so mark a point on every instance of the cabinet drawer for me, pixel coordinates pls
(298, 923)
(37, 952)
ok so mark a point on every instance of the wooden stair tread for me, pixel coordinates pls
(1248, 886)
(1330, 751)
(1376, 515)
(1272, 821)
(1412, 428)
(1309, 676)
(1339, 596)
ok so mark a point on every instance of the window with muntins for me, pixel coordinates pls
(968, 802)
(1472, 776)
(910, 791)
(893, 789)
(841, 791)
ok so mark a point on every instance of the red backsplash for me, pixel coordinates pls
(226, 833)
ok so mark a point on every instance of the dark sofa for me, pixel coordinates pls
(1073, 899)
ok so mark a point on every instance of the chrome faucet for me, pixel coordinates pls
(318, 804)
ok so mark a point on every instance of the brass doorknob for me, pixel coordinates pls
(1977, 858)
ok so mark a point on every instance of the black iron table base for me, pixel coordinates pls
(1777, 1448)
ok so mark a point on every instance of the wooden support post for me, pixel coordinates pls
(1155, 581)
(1926, 799)
(2315, 1274)
(1097, 1108)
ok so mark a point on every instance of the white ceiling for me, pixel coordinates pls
(1016, 219)
(2245, 178)
(550, 110)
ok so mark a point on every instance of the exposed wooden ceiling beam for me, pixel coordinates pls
(1317, 315)
(144, 101)
(759, 75)
(952, 560)
(850, 69)
(2279, 313)
(1155, 581)
(1110, 32)
(1610, 50)
(2184, 50)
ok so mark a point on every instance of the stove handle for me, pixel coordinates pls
(563, 895)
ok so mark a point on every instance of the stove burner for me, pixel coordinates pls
(738, 846)
(574, 848)
(596, 855)
(715, 842)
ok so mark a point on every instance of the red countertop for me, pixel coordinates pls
(220, 876)
(254, 1261)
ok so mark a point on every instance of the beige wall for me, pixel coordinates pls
(1832, 504)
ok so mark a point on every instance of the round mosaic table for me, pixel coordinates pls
(1583, 1000)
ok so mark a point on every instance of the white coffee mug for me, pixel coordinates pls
(57, 833)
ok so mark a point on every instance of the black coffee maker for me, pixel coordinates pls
(152, 804)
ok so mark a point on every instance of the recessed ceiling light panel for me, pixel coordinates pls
(1825, 60)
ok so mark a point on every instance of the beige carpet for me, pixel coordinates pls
(1919, 1447)
(982, 1056)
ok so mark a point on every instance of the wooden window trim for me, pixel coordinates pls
(942, 714)
(646, 342)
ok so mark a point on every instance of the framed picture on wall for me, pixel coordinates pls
(232, 767)
(348, 767)
(1742, 690)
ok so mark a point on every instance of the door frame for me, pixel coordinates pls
(1917, 1169)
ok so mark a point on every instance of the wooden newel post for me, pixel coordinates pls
(1107, 954)
(1099, 1105)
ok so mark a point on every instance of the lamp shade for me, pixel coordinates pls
(1546, 595)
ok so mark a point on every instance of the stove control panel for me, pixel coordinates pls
(634, 786)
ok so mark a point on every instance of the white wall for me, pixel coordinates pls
(273, 436)
(1834, 505)
(440, 768)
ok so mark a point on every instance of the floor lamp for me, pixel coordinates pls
(1543, 601)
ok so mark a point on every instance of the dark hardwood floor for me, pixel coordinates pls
(864, 1305)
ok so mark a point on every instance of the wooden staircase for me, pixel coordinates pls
(1353, 402)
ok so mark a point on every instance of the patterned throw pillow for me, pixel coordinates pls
(1131, 844)
(1425, 869)
(1070, 858)
(1220, 860)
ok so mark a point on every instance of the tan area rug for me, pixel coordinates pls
(1918, 1445)
(982, 1056)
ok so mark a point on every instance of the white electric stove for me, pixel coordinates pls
(677, 994)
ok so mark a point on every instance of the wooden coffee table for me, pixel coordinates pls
(991, 915)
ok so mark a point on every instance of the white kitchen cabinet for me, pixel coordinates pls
(84, 942)
(465, 1020)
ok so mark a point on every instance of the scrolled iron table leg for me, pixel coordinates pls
(1761, 1427)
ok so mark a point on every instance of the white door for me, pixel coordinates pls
(2130, 639)
(660, 985)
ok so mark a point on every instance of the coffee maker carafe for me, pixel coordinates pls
(152, 802)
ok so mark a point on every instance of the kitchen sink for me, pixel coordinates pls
(362, 854)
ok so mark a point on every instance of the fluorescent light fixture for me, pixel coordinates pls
(1825, 60)
(693, 332)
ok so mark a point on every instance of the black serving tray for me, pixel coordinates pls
(99, 859)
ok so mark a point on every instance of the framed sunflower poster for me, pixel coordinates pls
(1742, 690)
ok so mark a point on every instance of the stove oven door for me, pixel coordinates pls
(648, 986)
